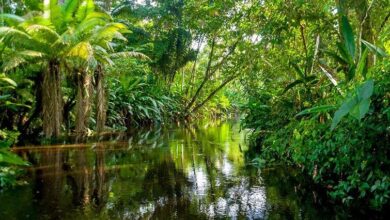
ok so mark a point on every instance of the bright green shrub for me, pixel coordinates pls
(137, 101)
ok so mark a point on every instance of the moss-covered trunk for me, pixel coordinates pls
(101, 110)
(52, 100)
(83, 101)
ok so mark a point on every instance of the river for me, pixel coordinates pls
(175, 172)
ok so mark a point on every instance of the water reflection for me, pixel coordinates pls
(187, 172)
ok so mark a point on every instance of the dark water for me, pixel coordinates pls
(197, 172)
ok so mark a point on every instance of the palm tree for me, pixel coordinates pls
(34, 42)
(51, 40)
(72, 37)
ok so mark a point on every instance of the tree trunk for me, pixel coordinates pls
(83, 101)
(101, 111)
(365, 30)
(52, 100)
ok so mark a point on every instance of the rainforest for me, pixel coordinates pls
(194, 109)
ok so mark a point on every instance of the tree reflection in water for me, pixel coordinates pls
(187, 172)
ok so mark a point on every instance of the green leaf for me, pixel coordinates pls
(317, 109)
(3, 97)
(375, 49)
(351, 72)
(51, 10)
(15, 105)
(10, 35)
(360, 110)
(8, 157)
(310, 78)
(365, 90)
(8, 80)
(298, 70)
(292, 85)
(5, 144)
(86, 7)
(357, 105)
(69, 8)
(361, 66)
(345, 108)
(134, 54)
(349, 39)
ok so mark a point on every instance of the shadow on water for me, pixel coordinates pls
(181, 172)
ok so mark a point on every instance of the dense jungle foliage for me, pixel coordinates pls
(310, 79)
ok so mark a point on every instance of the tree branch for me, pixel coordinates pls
(211, 95)
(206, 76)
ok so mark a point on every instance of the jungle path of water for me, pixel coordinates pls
(179, 172)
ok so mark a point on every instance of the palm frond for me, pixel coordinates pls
(88, 25)
(51, 11)
(69, 8)
(31, 54)
(10, 33)
(102, 55)
(7, 80)
(100, 15)
(42, 33)
(86, 7)
(109, 31)
(130, 54)
(82, 50)
(14, 58)
(13, 62)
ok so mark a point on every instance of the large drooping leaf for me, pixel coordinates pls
(349, 39)
(365, 90)
(345, 108)
(357, 105)
(359, 110)
(345, 54)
